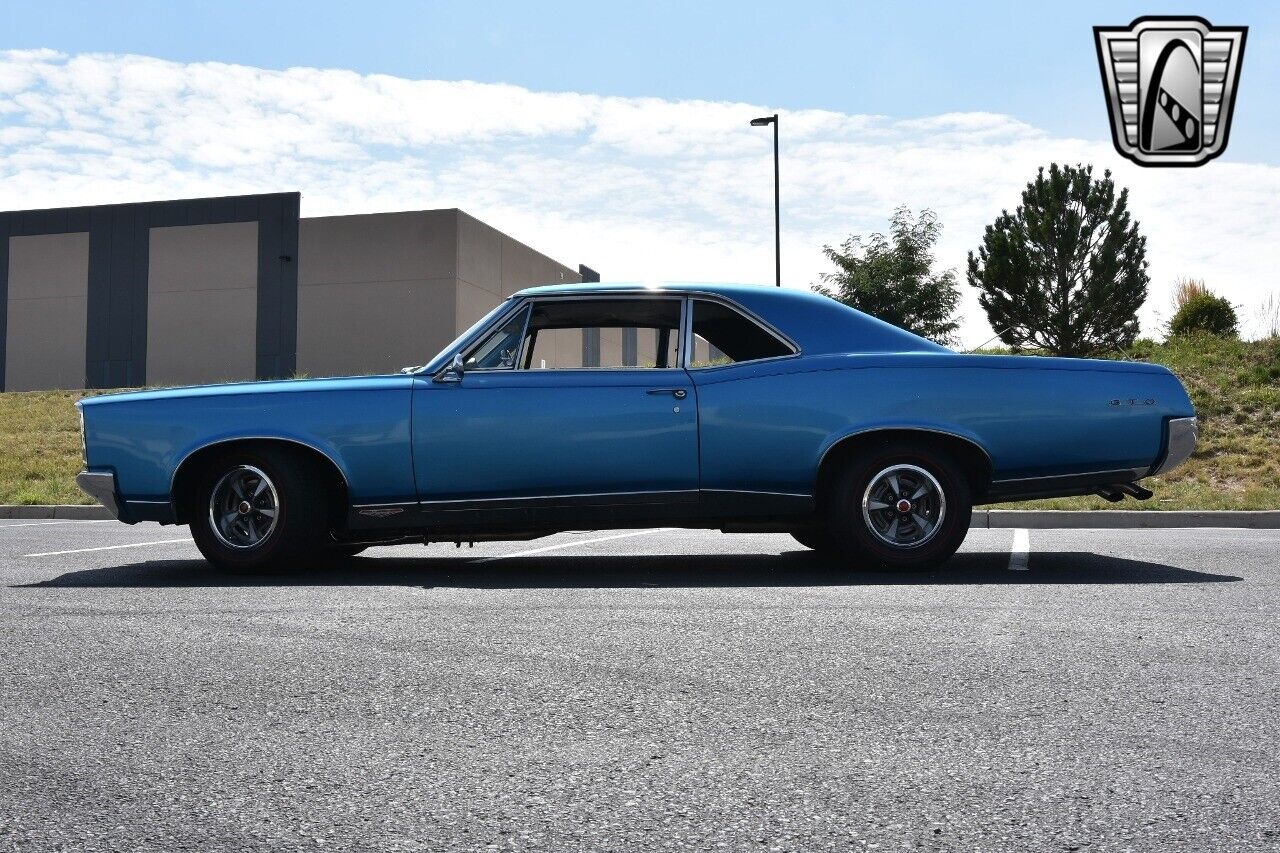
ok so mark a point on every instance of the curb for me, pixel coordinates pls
(1124, 519)
(1035, 519)
(78, 512)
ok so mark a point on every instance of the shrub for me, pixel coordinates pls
(1206, 313)
(1186, 289)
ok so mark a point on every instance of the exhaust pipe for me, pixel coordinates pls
(1116, 492)
(1133, 490)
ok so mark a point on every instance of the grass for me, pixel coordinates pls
(40, 437)
(1235, 386)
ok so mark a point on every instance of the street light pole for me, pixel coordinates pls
(777, 227)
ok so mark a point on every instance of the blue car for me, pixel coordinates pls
(729, 407)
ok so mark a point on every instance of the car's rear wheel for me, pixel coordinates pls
(900, 507)
(258, 510)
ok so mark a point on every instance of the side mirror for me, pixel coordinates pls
(452, 373)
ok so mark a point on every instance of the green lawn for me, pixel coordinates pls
(40, 437)
(1235, 386)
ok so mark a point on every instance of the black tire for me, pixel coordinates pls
(301, 521)
(864, 537)
(816, 539)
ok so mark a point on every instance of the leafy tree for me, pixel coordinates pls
(1205, 312)
(892, 277)
(1067, 271)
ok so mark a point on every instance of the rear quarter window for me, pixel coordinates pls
(722, 335)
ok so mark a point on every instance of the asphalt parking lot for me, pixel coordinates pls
(1092, 690)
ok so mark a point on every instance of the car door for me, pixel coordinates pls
(564, 410)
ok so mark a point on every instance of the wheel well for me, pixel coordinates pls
(188, 473)
(971, 458)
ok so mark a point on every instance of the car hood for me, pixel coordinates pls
(269, 387)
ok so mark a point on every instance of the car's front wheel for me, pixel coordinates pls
(259, 510)
(900, 507)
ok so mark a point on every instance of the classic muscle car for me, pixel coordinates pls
(729, 407)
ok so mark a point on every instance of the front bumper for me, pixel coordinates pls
(1179, 443)
(101, 486)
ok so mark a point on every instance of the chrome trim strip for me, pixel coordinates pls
(684, 334)
(524, 338)
(479, 333)
(393, 503)
(101, 486)
(1136, 472)
(559, 497)
(1181, 435)
(475, 342)
(84, 439)
(933, 430)
(529, 301)
(685, 331)
(156, 503)
(383, 512)
(748, 361)
(757, 492)
(174, 476)
(747, 314)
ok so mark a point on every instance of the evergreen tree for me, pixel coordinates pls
(1067, 271)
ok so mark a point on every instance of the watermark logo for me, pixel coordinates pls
(1170, 84)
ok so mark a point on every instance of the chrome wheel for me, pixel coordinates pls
(904, 506)
(244, 507)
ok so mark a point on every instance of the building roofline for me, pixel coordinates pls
(152, 202)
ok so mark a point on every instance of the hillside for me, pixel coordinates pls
(1235, 386)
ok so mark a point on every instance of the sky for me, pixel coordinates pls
(616, 135)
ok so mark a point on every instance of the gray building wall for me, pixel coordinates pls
(202, 299)
(378, 292)
(47, 311)
(211, 290)
(375, 292)
(492, 266)
(118, 294)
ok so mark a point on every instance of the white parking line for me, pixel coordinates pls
(1020, 552)
(64, 521)
(106, 548)
(574, 544)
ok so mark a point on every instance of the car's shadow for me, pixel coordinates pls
(551, 571)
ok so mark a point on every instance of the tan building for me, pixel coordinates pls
(212, 290)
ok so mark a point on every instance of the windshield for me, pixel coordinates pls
(447, 353)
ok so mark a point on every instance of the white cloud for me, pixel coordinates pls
(640, 188)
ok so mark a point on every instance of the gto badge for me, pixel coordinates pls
(1170, 84)
(1132, 401)
(381, 512)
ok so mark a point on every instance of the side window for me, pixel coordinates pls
(603, 333)
(721, 335)
(500, 348)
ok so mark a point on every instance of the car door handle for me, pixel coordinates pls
(678, 393)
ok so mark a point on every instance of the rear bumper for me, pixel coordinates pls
(101, 486)
(1179, 443)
